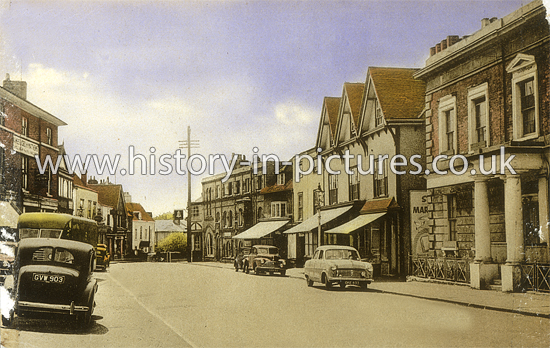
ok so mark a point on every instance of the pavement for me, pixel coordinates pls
(529, 303)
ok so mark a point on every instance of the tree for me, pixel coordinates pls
(165, 216)
(174, 242)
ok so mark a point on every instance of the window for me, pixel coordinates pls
(524, 97)
(452, 214)
(49, 136)
(447, 125)
(24, 126)
(209, 245)
(378, 117)
(333, 189)
(2, 114)
(300, 206)
(25, 172)
(478, 117)
(140, 232)
(380, 178)
(527, 105)
(237, 187)
(353, 184)
(2, 164)
(310, 242)
(281, 179)
(195, 211)
(278, 209)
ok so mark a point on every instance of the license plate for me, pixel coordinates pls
(352, 282)
(48, 278)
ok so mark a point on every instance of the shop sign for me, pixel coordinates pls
(25, 147)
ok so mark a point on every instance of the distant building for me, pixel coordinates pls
(119, 237)
(164, 228)
(143, 228)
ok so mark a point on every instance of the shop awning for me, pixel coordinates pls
(261, 229)
(8, 215)
(313, 222)
(358, 222)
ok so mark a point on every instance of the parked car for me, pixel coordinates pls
(103, 258)
(337, 264)
(264, 259)
(7, 257)
(54, 276)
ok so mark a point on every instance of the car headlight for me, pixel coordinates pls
(364, 274)
(334, 268)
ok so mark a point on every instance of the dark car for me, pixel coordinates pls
(103, 258)
(54, 276)
(264, 259)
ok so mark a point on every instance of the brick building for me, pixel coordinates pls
(487, 100)
(27, 131)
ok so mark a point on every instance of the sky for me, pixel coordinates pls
(134, 75)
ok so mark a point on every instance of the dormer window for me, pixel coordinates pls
(281, 179)
(378, 118)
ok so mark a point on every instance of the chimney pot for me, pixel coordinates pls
(443, 44)
(432, 51)
(438, 48)
(485, 22)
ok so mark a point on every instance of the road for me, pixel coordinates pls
(189, 305)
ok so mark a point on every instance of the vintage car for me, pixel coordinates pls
(264, 259)
(102, 257)
(54, 276)
(337, 264)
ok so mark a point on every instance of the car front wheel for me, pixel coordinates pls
(309, 282)
(327, 283)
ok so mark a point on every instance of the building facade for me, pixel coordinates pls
(27, 131)
(354, 195)
(487, 102)
(143, 228)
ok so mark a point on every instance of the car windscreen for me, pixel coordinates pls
(28, 233)
(39, 233)
(48, 254)
(340, 254)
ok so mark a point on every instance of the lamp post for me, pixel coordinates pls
(320, 198)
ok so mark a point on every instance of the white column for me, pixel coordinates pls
(482, 221)
(513, 215)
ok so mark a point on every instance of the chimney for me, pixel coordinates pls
(84, 179)
(19, 88)
(452, 39)
(485, 22)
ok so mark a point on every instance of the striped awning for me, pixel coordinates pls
(358, 222)
(313, 222)
(261, 229)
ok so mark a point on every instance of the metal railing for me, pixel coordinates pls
(441, 268)
(535, 277)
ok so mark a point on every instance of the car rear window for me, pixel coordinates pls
(339, 254)
(48, 254)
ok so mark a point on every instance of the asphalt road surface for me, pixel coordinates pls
(189, 305)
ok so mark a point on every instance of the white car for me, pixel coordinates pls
(338, 264)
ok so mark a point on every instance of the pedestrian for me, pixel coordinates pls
(238, 261)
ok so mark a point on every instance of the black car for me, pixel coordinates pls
(54, 276)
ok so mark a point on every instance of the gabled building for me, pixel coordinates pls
(143, 228)
(487, 102)
(119, 236)
(27, 131)
(362, 202)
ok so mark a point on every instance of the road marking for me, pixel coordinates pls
(153, 313)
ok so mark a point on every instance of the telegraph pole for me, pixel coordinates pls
(195, 144)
